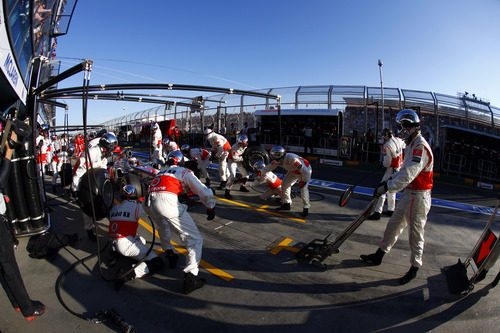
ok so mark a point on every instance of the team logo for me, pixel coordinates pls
(156, 181)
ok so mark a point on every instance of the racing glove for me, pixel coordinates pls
(301, 184)
(380, 189)
(210, 213)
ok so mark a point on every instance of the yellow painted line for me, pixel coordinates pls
(260, 209)
(212, 269)
(284, 246)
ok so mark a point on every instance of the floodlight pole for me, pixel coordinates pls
(380, 64)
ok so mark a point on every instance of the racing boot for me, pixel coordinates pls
(154, 265)
(481, 276)
(284, 206)
(227, 194)
(375, 216)
(305, 212)
(38, 310)
(243, 189)
(172, 258)
(410, 275)
(222, 185)
(192, 282)
(207, 182)
(388, 213)
(374, 259)
(118, 283)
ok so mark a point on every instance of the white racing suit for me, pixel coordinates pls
(415, 177)
(298, 169)
(272, 182)
(59, 159)
(44, 157)
(235, 161)
(123, 231)
(168, 148)
(166, 211)
(157, 147)
(221, 147)
(202, 158)
(96, 160)
(392, 159)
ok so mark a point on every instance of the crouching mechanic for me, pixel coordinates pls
(298, 169)
(99, 149)
(415, 178)
(202, 158)
(392, 159)
(235, 161)
(220, 147)
(166, 211)
(268, 178)
(123, 224)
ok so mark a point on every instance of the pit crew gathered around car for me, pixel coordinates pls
(220, 149)
(99, 149)
(202, 158)
(415, 178)
(268, 178)
(235, 161)
(392, 151)
(164, 208)
(156, 143)
(123, 224)
(298, 169)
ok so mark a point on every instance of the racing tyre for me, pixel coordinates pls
(102, 193)
(255, 154)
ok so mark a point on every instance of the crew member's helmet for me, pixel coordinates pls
(277, 152)
(154, 127)
(258, 166)
(132, 161)
(44, 129)
(243, 140)
(108, 142)
(129, 192)
(166, 141)
(175, 158)
(207, 131)
(185, 149)
(408, 123)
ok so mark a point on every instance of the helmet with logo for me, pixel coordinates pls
(175, 158)
(258, 166)
(277, 152)
(129, 192)
(408, 123)
(108, 142)
(185, 149)
(243, 140)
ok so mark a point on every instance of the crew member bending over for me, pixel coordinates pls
(298, 169)
(202, 158)
(235, 161)
(268, 178)
(220, 147)
(166, 211)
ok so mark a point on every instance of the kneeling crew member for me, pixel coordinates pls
(123, 224)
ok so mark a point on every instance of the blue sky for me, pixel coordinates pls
(444, 46)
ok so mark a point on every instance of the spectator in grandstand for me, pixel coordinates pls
(308, 138)
(415, 177)
(392, 158)
(298, 169)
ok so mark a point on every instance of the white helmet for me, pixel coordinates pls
(154, 127)
(408, 123)
(207, 131)
(277, 152)
(243, 140)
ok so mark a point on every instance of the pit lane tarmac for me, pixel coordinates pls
(255, 284)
